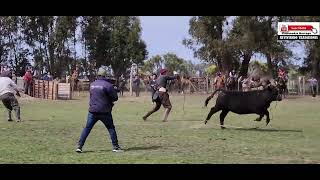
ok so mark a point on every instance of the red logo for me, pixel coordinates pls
(284, 28)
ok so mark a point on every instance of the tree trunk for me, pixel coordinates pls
(245, 65)
(271, 67)
(315, 67)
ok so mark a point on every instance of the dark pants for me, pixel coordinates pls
(163, 100)
(107, 120)
(137, 91)
(27, 86)
(11, 103)
(152, 93)
(314, 90)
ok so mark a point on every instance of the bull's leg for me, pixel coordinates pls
(268, 118)
(260, 117)
(223, 114)
(212, 111)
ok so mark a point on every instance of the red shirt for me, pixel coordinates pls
(27, 76)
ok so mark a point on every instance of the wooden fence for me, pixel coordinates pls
(51, 90)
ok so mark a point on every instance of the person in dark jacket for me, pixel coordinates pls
(153, 85)
(102, 96)
(163, 97)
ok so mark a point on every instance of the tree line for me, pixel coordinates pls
(233, 48)
(59, 44)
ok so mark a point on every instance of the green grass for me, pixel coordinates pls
(51, 130)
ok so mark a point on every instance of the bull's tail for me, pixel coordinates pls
(210, 97)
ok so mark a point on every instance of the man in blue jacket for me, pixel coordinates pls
(102, 96)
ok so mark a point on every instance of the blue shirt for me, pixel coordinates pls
(102, 96)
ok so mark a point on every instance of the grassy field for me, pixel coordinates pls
(51, 130)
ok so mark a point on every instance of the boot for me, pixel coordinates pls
(9, 115)
(147, 115)
(166, 114)
(156, 108)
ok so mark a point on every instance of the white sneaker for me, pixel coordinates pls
(79, 150)
(118, 149)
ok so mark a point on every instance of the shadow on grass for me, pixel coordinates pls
(264, 130)
(142, 148)
(188, 120)
(37, 120)
(125, 149)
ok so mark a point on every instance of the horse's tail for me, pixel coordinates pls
(211, 96)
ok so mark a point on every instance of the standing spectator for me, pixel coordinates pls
(153, 85)
(136, 85)
(102, 96)
(122, 84)
(48, 77)
(313, 85)
(27, 79)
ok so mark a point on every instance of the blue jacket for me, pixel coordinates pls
(102, 96)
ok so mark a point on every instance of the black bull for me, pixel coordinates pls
(252, 102)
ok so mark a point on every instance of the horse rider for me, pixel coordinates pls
(282, 74)
(233, 74)
(246, 83)
(219, 82)
(232, 80)
(255, 83)
(161, 96)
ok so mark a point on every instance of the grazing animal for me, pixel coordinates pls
(251, 102)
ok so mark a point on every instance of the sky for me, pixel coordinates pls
(164, 34)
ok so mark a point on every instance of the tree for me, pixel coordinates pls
(12, 47)
(174, 63)
(272, 49)
(312, 61)
(211, 70)
(154, 64)
(114, 41)
(244, 37)
(207, 40)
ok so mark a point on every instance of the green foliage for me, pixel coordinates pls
(213, 43)
(50, 42)
(170, 61)
(211, 70)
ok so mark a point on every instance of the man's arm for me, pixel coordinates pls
(112, 93)
(15, 87)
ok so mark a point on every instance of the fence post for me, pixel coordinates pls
(303, 85)
(207, 81)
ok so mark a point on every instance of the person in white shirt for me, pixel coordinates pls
(7, 90)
